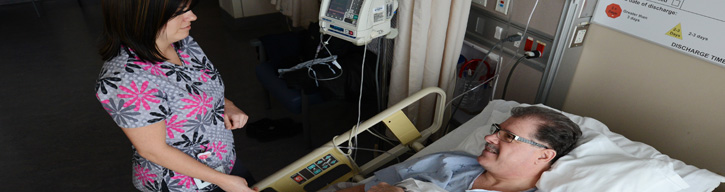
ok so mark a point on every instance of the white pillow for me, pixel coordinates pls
(605, 161)
(613, 173)
(599, 165)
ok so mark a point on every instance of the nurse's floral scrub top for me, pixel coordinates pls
(189, 98)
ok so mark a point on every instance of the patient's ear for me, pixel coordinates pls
(546, 155)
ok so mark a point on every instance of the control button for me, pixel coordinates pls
(314, 169)
(298, 178)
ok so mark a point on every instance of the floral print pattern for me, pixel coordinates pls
(216, 148)
(188, 98)
(138, 96)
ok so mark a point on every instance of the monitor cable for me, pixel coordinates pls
(353, 135)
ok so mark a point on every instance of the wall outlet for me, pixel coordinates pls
(579, 34)
(540, 46)
(518, 43)
(498, 32)
(579, 37)
(503, 6)
(529, 44)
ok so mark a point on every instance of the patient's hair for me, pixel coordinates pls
(556, 129)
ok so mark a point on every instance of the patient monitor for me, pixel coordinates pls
(358, 21)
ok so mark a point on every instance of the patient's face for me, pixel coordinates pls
(515, 158)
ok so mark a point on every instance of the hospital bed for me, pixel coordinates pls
(602, 161)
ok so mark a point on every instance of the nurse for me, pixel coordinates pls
(161, 89)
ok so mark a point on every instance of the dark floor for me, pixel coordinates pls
(55, 136)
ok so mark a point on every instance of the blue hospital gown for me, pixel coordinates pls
(452, 171)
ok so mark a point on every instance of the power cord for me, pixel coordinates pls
(527, 55)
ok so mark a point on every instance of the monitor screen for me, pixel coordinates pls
(344, 10)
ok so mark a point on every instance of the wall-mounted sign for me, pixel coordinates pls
(692, 27)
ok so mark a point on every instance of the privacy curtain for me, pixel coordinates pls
(301, 12)
(426, 52)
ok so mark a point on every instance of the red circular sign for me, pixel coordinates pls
(614, 10)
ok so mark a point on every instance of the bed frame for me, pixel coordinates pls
(328, 164)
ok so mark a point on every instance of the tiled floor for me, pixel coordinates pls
(55, 136)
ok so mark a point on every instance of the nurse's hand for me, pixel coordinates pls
(237, 184)
(234, 118)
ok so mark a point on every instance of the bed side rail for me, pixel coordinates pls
(328, 164)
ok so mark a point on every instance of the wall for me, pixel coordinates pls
(526, 78)
(652, 94)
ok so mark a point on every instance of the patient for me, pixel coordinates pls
(517, 152)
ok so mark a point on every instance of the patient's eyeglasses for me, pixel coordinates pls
(510, 137)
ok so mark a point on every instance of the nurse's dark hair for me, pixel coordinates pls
(135, 24)
(555, 129)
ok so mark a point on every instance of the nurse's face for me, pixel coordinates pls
(177, 28)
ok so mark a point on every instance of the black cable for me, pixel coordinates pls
(527, 55)
(508, 78)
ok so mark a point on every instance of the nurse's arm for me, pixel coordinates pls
(150, 142)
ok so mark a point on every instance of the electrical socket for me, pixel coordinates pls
(518, 43)
(540, 46)
(529, 44)
(579, 34)
(579, 38)
(498, 32)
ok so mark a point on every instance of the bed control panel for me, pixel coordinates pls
(318, 173)
(314, 169)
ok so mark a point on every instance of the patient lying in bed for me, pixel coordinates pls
(517, 152)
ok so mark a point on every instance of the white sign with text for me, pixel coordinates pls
(691, 27)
